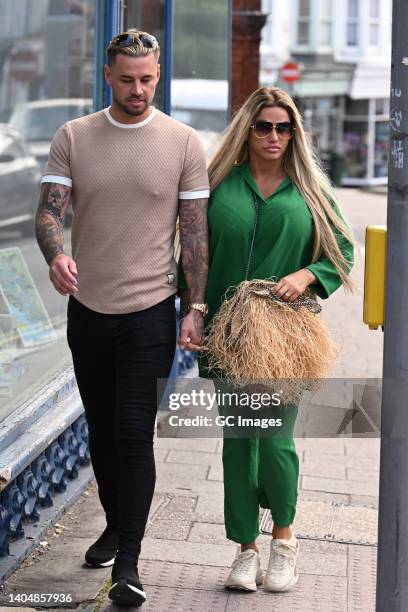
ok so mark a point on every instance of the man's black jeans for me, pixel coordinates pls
(117, 361)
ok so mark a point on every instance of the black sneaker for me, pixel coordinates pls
(126, 590)
(102, 553)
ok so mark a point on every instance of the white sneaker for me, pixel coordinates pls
(282, 573)
(246, 571)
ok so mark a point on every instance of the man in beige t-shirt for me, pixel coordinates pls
(130, 171)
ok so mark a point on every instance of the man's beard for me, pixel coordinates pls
(133, 112)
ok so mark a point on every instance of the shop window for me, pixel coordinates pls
(356, 148)
(148, 15)
(46, 78)
(381, 146)
(356, 107)
(382, 106)
(199, 91)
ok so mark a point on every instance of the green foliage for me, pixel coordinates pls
(200, 39)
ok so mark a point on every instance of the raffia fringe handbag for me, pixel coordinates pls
(258, 339)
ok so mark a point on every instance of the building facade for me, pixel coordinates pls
(344, 53)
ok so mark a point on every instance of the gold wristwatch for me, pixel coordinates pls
(203, 308)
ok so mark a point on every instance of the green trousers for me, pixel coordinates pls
(260, 470)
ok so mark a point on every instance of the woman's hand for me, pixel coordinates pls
(291, 286)
(191, 334)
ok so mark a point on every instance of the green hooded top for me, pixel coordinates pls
(283, 242)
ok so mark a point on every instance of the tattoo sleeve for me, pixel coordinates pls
(53, 203)
(194, 246)
(184, 296)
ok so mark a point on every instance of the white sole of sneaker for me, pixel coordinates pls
(105, 564)
(287, 587)
(251, 586)
(126, 594)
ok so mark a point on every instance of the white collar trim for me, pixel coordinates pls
(129, 125)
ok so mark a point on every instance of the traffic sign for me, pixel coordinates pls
(290, 72)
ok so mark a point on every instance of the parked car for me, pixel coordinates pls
(39, 121)
(20, 176)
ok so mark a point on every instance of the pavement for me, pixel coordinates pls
(185, 555)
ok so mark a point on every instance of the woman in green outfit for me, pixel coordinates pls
(302, 240)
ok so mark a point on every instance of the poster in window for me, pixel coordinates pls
(22, 299)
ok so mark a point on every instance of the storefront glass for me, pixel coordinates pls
(382, 135)
(148, 15)
(356, 148)
(46, 78)
(200, 64)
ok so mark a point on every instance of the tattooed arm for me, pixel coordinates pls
(49, 224)
(194, 255)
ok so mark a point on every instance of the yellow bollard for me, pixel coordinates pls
(374, 275)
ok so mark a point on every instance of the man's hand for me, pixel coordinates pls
(291, 286)
(191, 334)
(63, 274)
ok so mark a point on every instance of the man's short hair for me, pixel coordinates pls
(133, 43)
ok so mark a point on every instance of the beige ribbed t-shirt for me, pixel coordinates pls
(126, 182)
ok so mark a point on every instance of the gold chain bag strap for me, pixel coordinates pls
(256, 338)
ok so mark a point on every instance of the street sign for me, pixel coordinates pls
(290, 72)
(24, 66)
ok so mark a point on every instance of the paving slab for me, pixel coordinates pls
(208, 517)
(216, 472)
(356, 524)
(313, 518)
(347, 461)
(208, 532)
(323, 466)
(182, 503)
(361, 578)
(204, 445)
(160, 454)
(182, 575)
(192, 458)
(165, 599)
(212, 500)
(359, 447)
(363, 475)
(331, 497)
(189, 473)
(312, 594)
(364, 500)
(171, 528)
(336, 485)
(187, 552)
(334, 446)
(71, 579)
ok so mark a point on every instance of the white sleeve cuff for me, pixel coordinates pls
(54, 178)
(194, 195)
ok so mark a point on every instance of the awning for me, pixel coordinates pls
(370, 81)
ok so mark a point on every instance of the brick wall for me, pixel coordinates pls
(247, 23)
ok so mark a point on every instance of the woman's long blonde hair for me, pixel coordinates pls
(300, 164)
